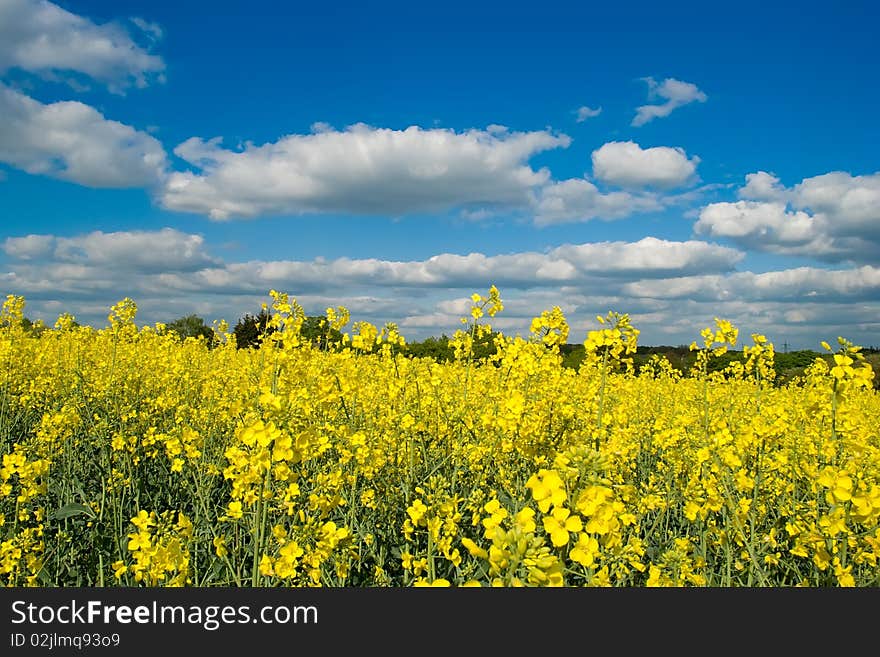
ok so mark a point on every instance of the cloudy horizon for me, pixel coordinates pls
(385, 172)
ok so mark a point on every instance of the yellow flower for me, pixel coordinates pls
(437, 583)
(144, 520)
(220, 546)
(139, 541)
(839, 483)
(547, 489)
(585, 550)
(559, 523)
(417, 511)
(266, 569)
(592, 498)
(843, 574)
(474, 549)
(525, 520)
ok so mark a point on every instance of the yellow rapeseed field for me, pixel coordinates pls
(132, 458)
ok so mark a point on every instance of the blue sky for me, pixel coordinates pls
(674, 161)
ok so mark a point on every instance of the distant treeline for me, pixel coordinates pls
(787, 364)
(250, 328)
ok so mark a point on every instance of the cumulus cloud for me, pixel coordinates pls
(834, 216)
(578, 200)
(851, 204)
(763, 186)
(756, 224)
(29, 247)
(671, 289)
(171, 264)
(794, 307)
(648, 258)
(569, 264)
(626, 164)
(584, 113)
(137, 251)
(74, 142)
(360, 170)
(676, 94)
(40, 37)
(801, 283)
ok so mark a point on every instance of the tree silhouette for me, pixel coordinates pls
(191, 326)
(250, 330)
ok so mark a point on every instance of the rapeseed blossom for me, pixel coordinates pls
(145, 460)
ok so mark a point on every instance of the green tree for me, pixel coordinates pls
(33, 328)
(251, 329)
(192, 326)
(436, 348)
(318, 331)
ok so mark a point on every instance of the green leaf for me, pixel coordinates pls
(45, 578)
(73, 509)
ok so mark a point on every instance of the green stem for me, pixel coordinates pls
(601, 398)
(260, 518)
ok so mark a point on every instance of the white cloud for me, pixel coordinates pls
(763, 186)
(626, 164)
(165, 264)
(569, 264)
(578, 200)
(584, 113)
(647, 258)
(808, 284)
(762, 225)
(29, 247)
(137, 251)
(850, 203)
(360, 170)
(41, 37)
(675, 92)
(794, 307)
(74, 142)
(671, 289)
(834, 216)
(152, 30)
